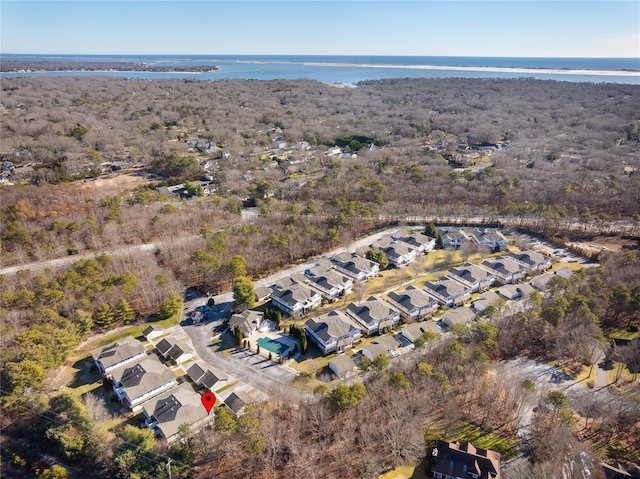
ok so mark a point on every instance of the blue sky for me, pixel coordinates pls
(571, 28)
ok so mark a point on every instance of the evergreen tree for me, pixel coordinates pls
(124, 312)
(103, 316)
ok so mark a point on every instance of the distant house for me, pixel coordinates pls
(448, 292)
(153, 332)
(384, 345)
(238, 401)
(141, 381)
(167, 412)
(263, 293)
(507, 270)
(399, 254)
(458, 316)
(533, 261)
(488, 237)
(463, 460)
(486, 299)
(420, 243)
(413, 303)
(473, 277)
(296, 300)
(373, 315)
(414, 330)
(248, 322)
(356, 267)
(332, 332)
(342, 365)
(118, 354)
(207, 377)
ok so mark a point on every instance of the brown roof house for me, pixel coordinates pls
(452, 460)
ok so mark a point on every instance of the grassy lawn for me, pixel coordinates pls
(402, 472)
(463, 431)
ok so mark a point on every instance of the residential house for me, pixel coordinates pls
(458, 316)
(373, 315)
(413, 303)
(356, 267)
(488, 237)
(331, 284)
(207, 377)
(141, 381)
(533, 261)
(420, 243)
(118, 354)
(399, 254)
(238, 401)
(166, 413)
(486, 299)
(515, 291)
(177, 352)
(333, 331)
(451, 237)
(507, 271)
(414, 330)
(384, 345)
(541, 283)
(263, 293)
(248, 322)
(448, 292)
(342, 365)
(296, 300)
(473, 277)
(452, 460)
(153, 332)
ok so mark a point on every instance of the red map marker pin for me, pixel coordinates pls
(208, 400)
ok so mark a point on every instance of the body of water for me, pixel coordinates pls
(353, 69)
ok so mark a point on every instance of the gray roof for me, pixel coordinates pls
(332, 325)
(151, 329)
(143, 376)
(178, 406)
(164, 346)
(342, 365)
(416, 240)
(238, 400)
(445, 287)
(504, 265)
(415, 330)
(532, 258)
(471, 273)
(354, 264)
(383, 345)
(329, 279)
(118, 352)
(205, 375)
(458, 316)
(178, 350)
(247, 321)
(294, 294)
(372, 309)
(411, 298)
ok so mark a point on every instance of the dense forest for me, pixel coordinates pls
(88, 165)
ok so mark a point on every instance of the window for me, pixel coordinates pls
(437, 475)
(451, 463)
